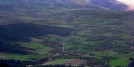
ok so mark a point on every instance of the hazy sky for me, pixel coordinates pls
(128, 2)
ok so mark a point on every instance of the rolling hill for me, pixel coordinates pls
(96, 31)
(89, 32)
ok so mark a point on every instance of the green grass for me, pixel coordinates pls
(40, 48)
(74, 62)
(68, 46)
(58, 61)
(105, 53)
(20, 56)
(41, 51)
(121, 60)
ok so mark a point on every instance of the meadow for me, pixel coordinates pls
(106, 36)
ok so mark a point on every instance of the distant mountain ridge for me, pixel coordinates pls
(107, 4)
(68, 4)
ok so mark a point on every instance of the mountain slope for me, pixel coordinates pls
(108, 4)
(65, 4)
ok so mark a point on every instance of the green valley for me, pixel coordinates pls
(94, 36)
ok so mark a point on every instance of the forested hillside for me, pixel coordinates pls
(22, 32)
(66, 33)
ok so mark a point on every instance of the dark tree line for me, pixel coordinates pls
(131, 62)
(11, 47)
(22, 31)
(10, 34)
(18, 63)
(34, 63)
(55, 66)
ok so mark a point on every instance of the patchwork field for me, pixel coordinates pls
(98, 36)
